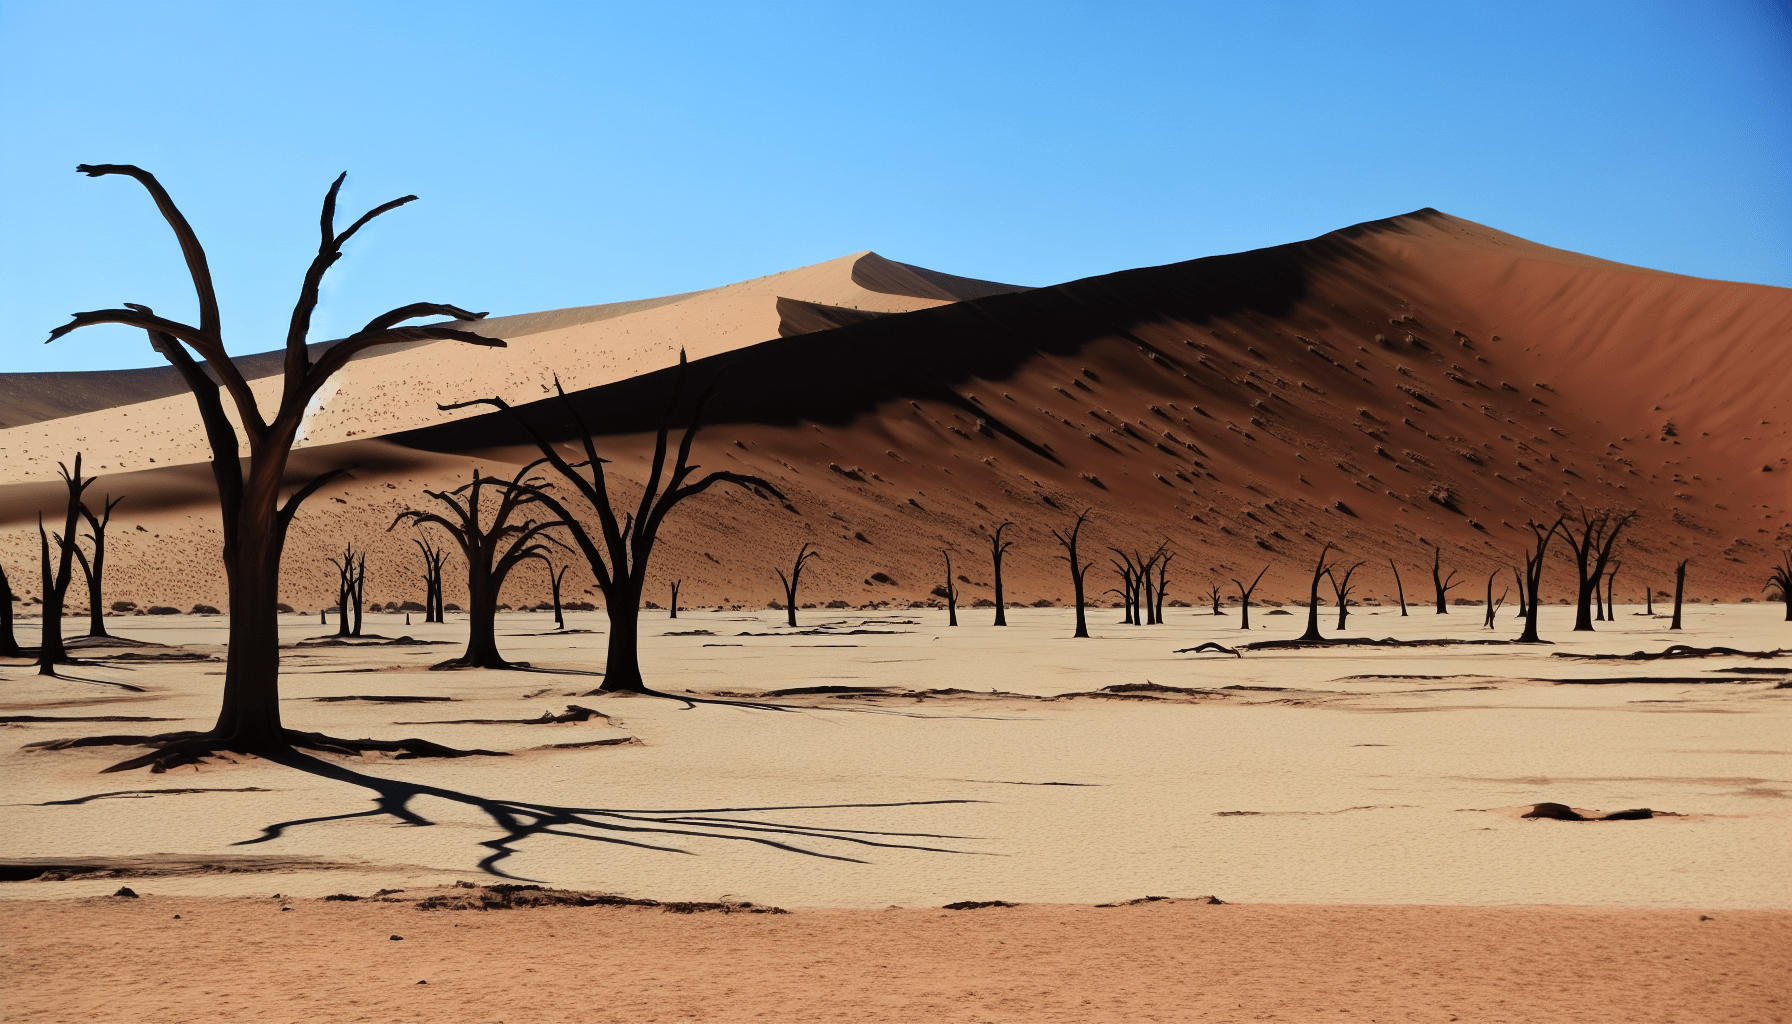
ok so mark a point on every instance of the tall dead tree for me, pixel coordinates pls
(1244, 598)
(997, 548)
(1533, 579)
(254, 520)
(1163, 576)
(50, 649)
(433, 557)
(9, 643)
(951, 591)
(491, 550)
(675, 585)
(620, 563)
(1592, 542)
(1312, 634)
(1781, 580)
(1399, 588)
(1442, 583)
(1679, 591)
(1213, 595)
(1341, 590)
(1129, 583)
(795, 579)
(351, 583)
(1078, 569)
(93, 568)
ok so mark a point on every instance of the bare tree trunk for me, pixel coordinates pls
(997, 548)
(1312, 633)
(360, 591)
(1533, 579)
(50, 650)
(675, 585)
(1442, 583)
(951, 592)
(1077, 570)
(1679, 591)
(792, 581)
(1611, 583)
(1649, 601)
(1213, 594)
(9, 643)
(1163, 575)
(95, 569)
(1523, 605)
(1341, 591)
(1244, 598)
(1398, 587)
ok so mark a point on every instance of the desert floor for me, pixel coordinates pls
(1360, 820)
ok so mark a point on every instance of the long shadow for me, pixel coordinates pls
(520, 820)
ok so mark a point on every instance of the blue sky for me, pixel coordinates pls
(569, 154)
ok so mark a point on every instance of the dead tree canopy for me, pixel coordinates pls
(1592, 534)
(254, 520)
(1244, 599)
(50, 649)
(794, 580)
(1533, 578)
(997, 548)
(93, 567)
(1078, 568)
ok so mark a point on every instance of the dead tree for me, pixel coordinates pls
(554, 579)
(675, 585)
(1077, 569)
(1163, 575)
(1611, 583)
(951, 591)
(1533, 579)
(1491, 607)
(1781, 580)
(1522, 605)
(1312, 636)
(93, 569)
(1129, 586)
(1244, 599)
(1592, 543)
(1442, 583)
(620, 564)
(491, 551)
(997, 548)
(792, 581)
(9, 643)
(433, 557)
(1679, 591)
(50, 649)
(1649, 601)
(351, 581)
(1341, 590)
(254, 520)
(1399, 588)
(1213, 594)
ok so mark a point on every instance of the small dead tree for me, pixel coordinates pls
(1078, 568)
(1611, 583)
(1312, 634)
(433, 557)
(1679, 591)
(50, 649)
(997, 548)
(1341, 590)
(951, 591)
(620, 564)
(1522, 605)
(795, 579)
(1399, 588)
(93, 567)
(351, 580)
(254, 520)
(555, 576)
(1533, 579)
(1649, 601)
(1213, 595)
(1129, 586)
(1779, 583)
(1163, 575)
(1244, 598)
(1592, 541)
(675, 585)
(1442, 583)
(491, 550)
(1491, 606)
(9, 643)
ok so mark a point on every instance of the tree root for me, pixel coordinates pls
(1272, 645)
(464, 662)
(174, 749)
(1678, 651)
(689, 701)
(574, 713)
(1209, 647)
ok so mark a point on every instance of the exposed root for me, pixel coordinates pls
(1271, 645)
(174, 749)
(574, 713)
(370, 640)
(508, 896)
(691, 702)
(465, 662)
(1209, 647)
(1679, 651)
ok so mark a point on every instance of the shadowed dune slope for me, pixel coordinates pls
(1414, 382)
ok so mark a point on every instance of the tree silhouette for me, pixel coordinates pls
(433, 557)
(1491, 606)
(1077, 569)
(792, 581)
(1213, 595)
(554, 578)
(254, 520)
(1163, 574)
(9, 642)
(1341, 589)
(997, 548)
(1129, 586)
(620, 563)
(1442, 583)
(93, 569)
(1398, 587)
(675, 585)
(1533, 579)
(1679, 591)
(1611, 583)
(951, 591)
(1244, 598)
(351, 582)
(1649, 601)
(1312, 634)
(1592, 543)
(1781, 580)
(1522, 604)
(50, 649)
(491, 551)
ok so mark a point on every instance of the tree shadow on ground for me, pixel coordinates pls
(520, 820)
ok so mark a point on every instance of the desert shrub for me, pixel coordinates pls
(983, 602)
(124, 606)
(838, 604)
(1044, 602)
(502, 608)
(809, 604)
(1180, 604)
(650, 607)
(775, 605)
(940, 592)
(579, 606)
(162, 609)
(204, 609)
(880, 577)
(412, 606)
(451, 607)
(283, 608)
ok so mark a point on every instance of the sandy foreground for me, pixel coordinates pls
(1360, 820)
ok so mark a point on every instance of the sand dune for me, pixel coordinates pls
(1416, 381)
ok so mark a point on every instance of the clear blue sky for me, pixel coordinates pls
(574, 153)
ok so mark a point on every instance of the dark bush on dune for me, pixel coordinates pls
(122, 607)
(204, 609)
(162, 609)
